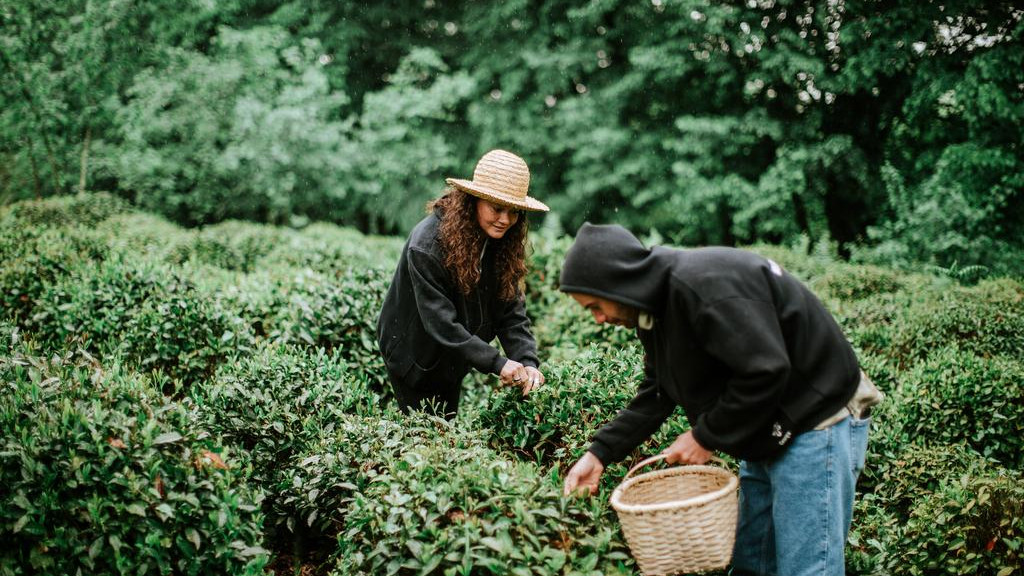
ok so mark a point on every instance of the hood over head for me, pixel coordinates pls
(608, 261)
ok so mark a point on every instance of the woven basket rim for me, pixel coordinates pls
(731, 485)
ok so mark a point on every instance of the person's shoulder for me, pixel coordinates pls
(424, 235)
(719, 272)
(714, 260)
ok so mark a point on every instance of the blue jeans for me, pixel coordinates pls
(795, 510)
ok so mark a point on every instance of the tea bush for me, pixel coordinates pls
(309, 309)
(958, 396)
(968, 526)
(806, 262)
(231, 245)
(337, 313)
(557, 420)
(318, 484)
(940, 509)
(156, 318)
(554, 425)
(333, 250)
(435, 511)
(103, 310)
(140, 235)
(60, 211)
(847, 283)
(870, 323)
(34, 258)
(98, 474)
(987, 320)
(276, 402)
(561, 327)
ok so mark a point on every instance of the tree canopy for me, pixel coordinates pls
(890, 129)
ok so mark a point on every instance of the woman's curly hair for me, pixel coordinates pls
(462, 239)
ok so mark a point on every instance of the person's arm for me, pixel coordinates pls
(745, 335)
(515, 336)
(644, 414)
(432, 288)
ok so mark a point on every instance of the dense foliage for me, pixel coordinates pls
(207, 401)
(893, 129)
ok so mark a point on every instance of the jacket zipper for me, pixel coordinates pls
(479, 296)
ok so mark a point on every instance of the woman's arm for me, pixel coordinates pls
(432, 290)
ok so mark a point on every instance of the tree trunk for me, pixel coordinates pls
(39, 119)
(84, 170)
(37, 187)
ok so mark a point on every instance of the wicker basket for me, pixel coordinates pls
(678, 520)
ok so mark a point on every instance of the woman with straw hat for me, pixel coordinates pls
(456, 288)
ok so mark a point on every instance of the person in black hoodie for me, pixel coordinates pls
(456, 288)
(762, 372)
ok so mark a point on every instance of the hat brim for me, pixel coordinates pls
(525, 203)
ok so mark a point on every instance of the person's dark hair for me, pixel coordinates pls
(462, 239)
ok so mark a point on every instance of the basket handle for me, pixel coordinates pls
(662, 456)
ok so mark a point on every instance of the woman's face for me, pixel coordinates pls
(495, 220)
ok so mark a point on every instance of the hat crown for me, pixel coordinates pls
(503, 172)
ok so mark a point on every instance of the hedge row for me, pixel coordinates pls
(102, 475)
(252, 347)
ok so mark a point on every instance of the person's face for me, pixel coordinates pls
(495, 220)
(609, 311)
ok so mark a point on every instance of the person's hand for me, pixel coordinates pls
(514, 374)
(534, 379)
(584, 476)
(686, 450)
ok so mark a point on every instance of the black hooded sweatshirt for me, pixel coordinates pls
(748, 352)
(427, 324)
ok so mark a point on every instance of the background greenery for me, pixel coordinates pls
(890, 128)
(190, 382)
(209, 401)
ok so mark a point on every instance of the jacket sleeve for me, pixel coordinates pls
(635, 423)
(745, 335)
(431, 287)
(514, 334)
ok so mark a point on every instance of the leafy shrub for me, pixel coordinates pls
(79, 209)
(940, 510)
(334, 250)
(546, 254)
(35, 257)
(557, 420)
(141, 235)
(555, 423)
(870, 323)
(99, 475)
(968, 526)
(232, 245)
(320, 482)
(808, 262)
(310, 309)
(856, 282)
(337, 313)
(957, 396)
(156, 318)
(986, 320)
(279, 400)
(435, 511)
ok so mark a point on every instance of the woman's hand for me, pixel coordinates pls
(527, 378)
(533, 380)
(584, 476)
(686, 450)
(513, 374)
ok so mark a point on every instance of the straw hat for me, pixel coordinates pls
(503, 178)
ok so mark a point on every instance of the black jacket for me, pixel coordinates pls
(427, 323)
(751, 355)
